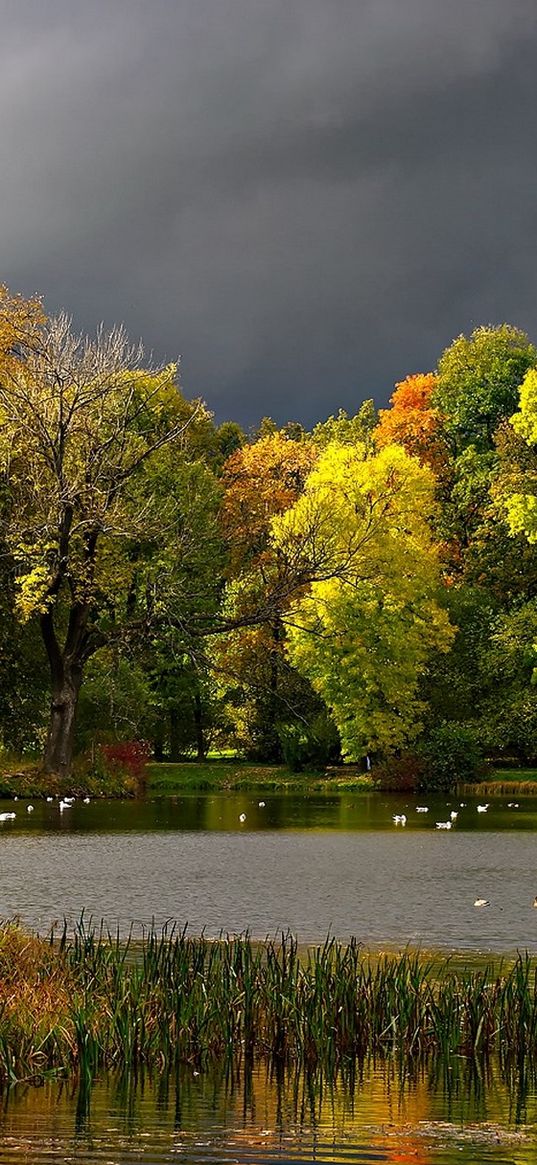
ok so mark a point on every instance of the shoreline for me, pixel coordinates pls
(163, 779)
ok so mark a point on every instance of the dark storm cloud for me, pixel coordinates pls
(307, 199)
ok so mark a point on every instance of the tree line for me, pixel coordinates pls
(365, 589)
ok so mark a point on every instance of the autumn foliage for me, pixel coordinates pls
(260, 481)
(130, 756)
(20, 323)
(413, 422)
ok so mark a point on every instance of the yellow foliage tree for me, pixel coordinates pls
(517, 491)
(364, 629)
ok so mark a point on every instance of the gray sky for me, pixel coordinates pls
(306, 199)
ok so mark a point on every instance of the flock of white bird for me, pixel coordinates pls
(401, 818)
(63, 804)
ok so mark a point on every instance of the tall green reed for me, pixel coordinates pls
(170, 998)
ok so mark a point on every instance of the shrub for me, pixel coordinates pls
(451, 753)
(400, 773)
(130, 756)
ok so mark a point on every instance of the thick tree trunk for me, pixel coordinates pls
(66, 668)
(61, 733)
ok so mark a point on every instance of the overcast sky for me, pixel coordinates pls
(305, 199)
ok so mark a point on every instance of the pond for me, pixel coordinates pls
(315, 864)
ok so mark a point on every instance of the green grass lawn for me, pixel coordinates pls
(513, 775)
(165, 779)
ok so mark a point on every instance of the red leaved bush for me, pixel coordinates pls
(129, 755)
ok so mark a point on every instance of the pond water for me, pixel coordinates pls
(316, 865)
(208, 1119)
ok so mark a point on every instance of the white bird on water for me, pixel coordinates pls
(444, 824)
(399, 818)
(422, 808)
(242, 818)
(481, 902)
(482, 808)
(7, 816)
(454, 814)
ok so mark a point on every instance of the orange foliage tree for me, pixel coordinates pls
(259, 481)
(413, 422)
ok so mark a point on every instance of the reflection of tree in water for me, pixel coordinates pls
(406, 1112)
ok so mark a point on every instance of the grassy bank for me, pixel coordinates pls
(173, 779)
(26, 779)
(88, 1003)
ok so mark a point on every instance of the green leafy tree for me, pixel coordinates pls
(81, 426)
(355, 430)
(509, 670)
(478, 380)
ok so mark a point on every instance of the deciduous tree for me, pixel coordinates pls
(365, 627)
(81, 422)
(413, 422)
(478, 381)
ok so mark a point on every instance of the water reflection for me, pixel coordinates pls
(222, 813)
(463, 1113)
(316, 865)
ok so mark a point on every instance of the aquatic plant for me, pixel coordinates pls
(85, 1001)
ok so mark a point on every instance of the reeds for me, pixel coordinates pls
(90, 1001)
(497, 788)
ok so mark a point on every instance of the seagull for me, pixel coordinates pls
(7, 816)
(64, 805)
(242, 817)
(482, 808)
(86, 800)
(422, 808)
(481, 902)
(513, 805)
(399, 818)
(29, 808)
(261, 804)
(50, 798)
(454, 814)
(444, 824)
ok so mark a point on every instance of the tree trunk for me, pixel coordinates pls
(66, 679)
(175, 738)
(198, 723)
(61, 733)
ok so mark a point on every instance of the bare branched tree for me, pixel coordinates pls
(79, 420)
